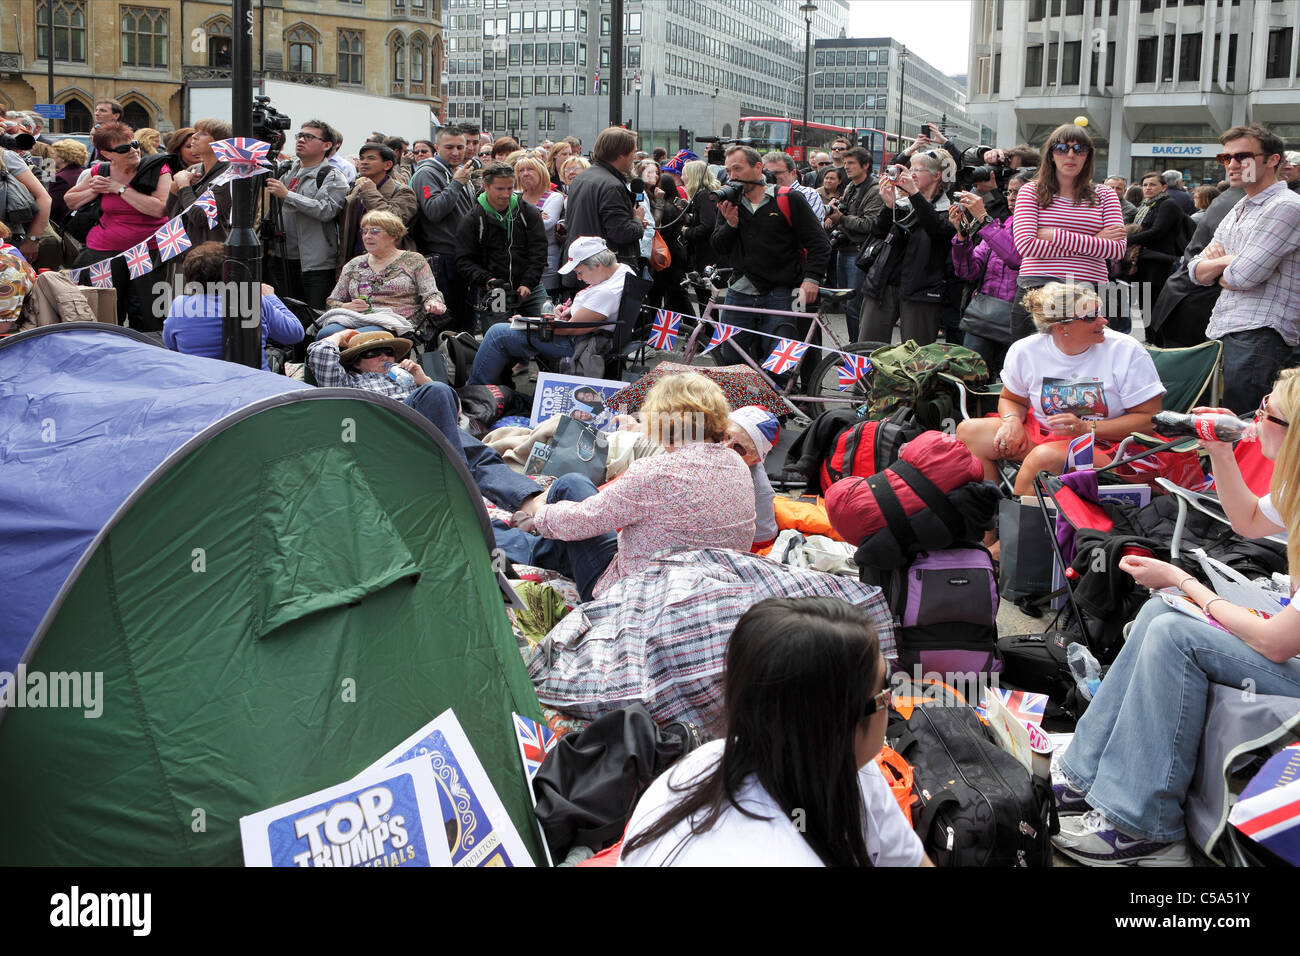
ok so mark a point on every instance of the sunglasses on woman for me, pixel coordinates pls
(1079, 149)
(123, 149)
(879, 702)
(1263, 413)
(375, 353)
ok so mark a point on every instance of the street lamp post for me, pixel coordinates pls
(808, 9)
(902, 77)
(636, 87)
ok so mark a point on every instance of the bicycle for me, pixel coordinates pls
(822, 385)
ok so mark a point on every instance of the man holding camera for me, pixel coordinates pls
(776, 246)
(779, 168)
(851, 219)
(446, 196)
(311, 194)
(502, 246)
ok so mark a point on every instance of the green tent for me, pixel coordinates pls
(278, 584)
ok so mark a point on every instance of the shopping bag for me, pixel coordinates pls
(577, 448)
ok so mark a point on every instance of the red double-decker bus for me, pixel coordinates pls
(787, 135)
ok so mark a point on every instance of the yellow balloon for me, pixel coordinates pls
(1081, 121)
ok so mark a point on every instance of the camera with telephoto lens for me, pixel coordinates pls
(974, 171)
(17, 141)
(731, 192)
(269, 123)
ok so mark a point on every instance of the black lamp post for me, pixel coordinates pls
(902, 76)
(808, 9)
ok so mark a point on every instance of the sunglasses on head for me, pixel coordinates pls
(1243, 158)
(375, 353)
(1263, 413)
(1079, 149)
(123, 149)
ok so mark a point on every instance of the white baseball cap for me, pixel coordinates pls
(584, 247)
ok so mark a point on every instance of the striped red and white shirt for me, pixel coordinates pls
(1074, 252)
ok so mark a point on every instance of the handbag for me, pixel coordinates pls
(988, 317)
(881, 262)
(578, 448)
(660, 256)
(80, 221)
(17, 207)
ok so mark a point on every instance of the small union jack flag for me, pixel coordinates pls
(208, 203)
(535, 742)
(663, 334)
(101, 274)
(1079, 455)
(172, 239)
(137, 260)
(1023, 705)
(720, 334)
(787, 354)
(74, 275)
(854, 367)
(241, 151)
(595, 82)
(1147, 463)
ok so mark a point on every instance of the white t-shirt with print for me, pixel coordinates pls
(604, 297)
(1113, 376)
(738, 840)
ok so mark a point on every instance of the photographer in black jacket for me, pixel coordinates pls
(853, 218)
(778, 261)
(503, 249)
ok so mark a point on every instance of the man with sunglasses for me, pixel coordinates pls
(353, 359)
(1255, 258)
(311, 195)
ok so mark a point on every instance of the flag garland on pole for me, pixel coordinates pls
(720, 334)
(787, 354)
(854, 367)
(723, 332)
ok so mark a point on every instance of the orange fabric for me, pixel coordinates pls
(898, 774)
(804, 516)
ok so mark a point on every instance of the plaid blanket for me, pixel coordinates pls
(660, 637)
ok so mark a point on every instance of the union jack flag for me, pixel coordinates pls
(138, 261)
(1079, 455)
(74, 275)
(1147, 463)
(1022, 704)
(208, 203)
(535, 742)
(241, 151)
(663, 334)
(854, 367)
(720, 334)
(787, 354)
(101, 274)
(172, 239)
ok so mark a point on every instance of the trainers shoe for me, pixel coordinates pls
(1093, 840)
(1069, 801)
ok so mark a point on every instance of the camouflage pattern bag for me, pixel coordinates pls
(908, 375)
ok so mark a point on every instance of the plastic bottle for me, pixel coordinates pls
(399, 375)
(1086, 670)
(1211, 426)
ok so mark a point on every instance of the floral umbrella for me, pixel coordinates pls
(740, 383)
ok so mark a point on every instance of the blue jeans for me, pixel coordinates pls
(503, 346)
(849, 276)
(495, 479)
(584, 561)
(1251, 360)
(781, 298)
(993, 353)
(1134, 751)
(332, 327)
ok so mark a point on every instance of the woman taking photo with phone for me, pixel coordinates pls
(1065, 227)
(1121, 784)
(807, 701)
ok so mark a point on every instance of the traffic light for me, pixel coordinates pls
(683, 138)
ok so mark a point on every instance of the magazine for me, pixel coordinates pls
(585, 399)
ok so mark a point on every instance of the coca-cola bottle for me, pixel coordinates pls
(1208, 426)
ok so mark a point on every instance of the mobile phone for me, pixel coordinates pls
(925, 129)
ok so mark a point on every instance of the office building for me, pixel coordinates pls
(1158, 80)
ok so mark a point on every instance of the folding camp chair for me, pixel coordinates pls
(625, 339)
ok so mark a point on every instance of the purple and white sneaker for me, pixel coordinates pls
(1093, 840)
(1069, 801)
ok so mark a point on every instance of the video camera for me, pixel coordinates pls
(973, 170)
(17, 141)
(269, 124)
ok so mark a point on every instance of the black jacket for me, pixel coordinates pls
(1182, 304)
(702, 216)
(600, 204)
(1162, 229)
(923, 264)
(861, 205)
(484, 252)
(770, 251)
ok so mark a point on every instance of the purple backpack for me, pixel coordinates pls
(946, 606)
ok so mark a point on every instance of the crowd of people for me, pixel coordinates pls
(370, 257)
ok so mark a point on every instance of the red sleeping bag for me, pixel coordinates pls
(941, 457)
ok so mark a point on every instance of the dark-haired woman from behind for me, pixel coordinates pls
(794, 781)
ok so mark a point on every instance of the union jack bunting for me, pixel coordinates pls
(663, 334)
(720, 334)
(535, 742)
(172, 239)
(101, 274)
(74, 275)
(1147, 463)
(1023, 705)
(1079, 455)
(241, 151)
(787, 354)
(854, 367)
(137, 260)
(208, 203)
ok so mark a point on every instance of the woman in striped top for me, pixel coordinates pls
(1065, 229)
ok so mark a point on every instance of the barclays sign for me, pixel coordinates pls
(1178, 150)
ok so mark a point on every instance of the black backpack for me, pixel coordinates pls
(976, 804)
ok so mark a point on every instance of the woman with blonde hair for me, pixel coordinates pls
(69, 160)
(555, 159)
(535, 187)
(600, 537)
(385, 278)
(1075, 376)
(149, 139)
(700, 217)
(1125, 775)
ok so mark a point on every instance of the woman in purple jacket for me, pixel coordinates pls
(983, 252)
